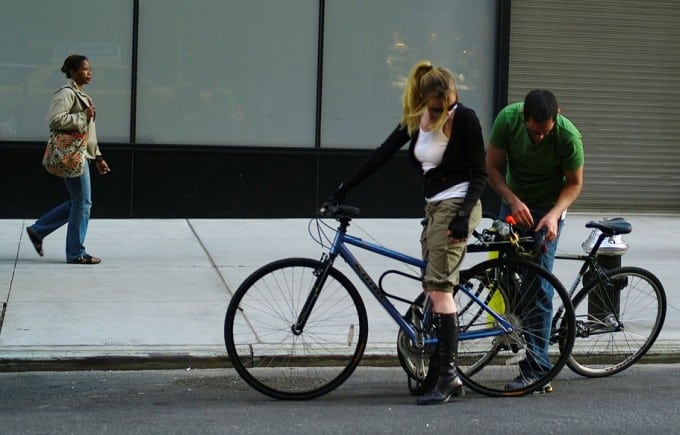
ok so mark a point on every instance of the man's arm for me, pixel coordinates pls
(496, 161)
(569, 194)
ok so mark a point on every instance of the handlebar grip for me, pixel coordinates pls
(335, 209)
(348, 210)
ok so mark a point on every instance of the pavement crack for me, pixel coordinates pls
(212, 260)
(11, 278)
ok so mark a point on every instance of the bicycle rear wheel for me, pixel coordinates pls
(471, 316)
(511, 287)
(615, 327)
(266, 350)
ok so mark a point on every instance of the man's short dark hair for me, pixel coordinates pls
(540, 105)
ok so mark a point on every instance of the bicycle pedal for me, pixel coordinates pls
(546, 389)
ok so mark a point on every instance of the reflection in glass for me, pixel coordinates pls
(242, 72)
(34, 51)
(370, 47)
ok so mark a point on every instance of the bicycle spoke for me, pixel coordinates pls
(512, 288)
(259, 330)
(621, 323)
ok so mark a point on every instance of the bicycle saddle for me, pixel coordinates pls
(612, 226)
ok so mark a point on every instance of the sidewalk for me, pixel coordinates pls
(159, 297)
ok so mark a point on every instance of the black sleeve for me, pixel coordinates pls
(389, 147)
(476, 159)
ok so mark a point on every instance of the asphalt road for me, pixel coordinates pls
(644, 399)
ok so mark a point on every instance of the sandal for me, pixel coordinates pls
(36, 240)
(84, 259)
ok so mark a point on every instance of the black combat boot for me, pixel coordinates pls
(448, 383)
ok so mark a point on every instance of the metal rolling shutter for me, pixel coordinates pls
(615, 69)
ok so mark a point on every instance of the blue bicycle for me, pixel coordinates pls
(297, 328)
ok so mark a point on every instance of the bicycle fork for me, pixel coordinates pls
(321, 276)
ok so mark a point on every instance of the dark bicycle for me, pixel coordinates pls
(620, 311)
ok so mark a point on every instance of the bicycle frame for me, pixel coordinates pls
(591, 264)
(339, 248)
(588, 263)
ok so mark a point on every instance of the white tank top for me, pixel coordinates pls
(429, 151)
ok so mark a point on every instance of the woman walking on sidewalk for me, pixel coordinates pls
(72, 110)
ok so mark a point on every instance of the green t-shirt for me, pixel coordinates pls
(535, 170)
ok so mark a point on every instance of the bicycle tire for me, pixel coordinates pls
(472, 317)
(261, 344)
(488, 365)
(616, 328)
(415, 361)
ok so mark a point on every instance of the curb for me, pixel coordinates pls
(186, 361)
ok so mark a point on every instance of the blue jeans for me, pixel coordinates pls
(537, 323)
(75, 212)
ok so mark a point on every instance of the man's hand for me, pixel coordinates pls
(521, 213)
(550, 223)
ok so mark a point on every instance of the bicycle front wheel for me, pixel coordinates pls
(497, 361)
(291, 362)
(616, 326)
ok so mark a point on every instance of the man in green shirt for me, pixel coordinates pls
(535, 163)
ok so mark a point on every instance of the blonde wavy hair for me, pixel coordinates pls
(425, 81)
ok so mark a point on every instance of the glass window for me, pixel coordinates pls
(370, 47)
(38, 36)
(241, 72)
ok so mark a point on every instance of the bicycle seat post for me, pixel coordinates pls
(596, 245)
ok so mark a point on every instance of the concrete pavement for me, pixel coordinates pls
(158, 298)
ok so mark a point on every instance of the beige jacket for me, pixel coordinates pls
(68, 113)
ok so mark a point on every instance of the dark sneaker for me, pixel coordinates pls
(523, 381)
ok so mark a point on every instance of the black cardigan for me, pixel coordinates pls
(463, 159)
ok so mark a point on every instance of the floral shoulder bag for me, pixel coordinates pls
(65, 153)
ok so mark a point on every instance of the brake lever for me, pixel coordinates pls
(328, 208)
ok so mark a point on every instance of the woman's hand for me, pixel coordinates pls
(91, 113)
(458, 228)
(102, 166)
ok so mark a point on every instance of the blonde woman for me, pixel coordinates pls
(447, 148)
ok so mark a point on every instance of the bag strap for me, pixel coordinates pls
(82, 100)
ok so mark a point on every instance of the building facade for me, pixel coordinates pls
(254, 108)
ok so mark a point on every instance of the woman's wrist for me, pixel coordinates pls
(99, 158)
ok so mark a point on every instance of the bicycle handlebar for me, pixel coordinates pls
(333, 209)
(524, 240)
